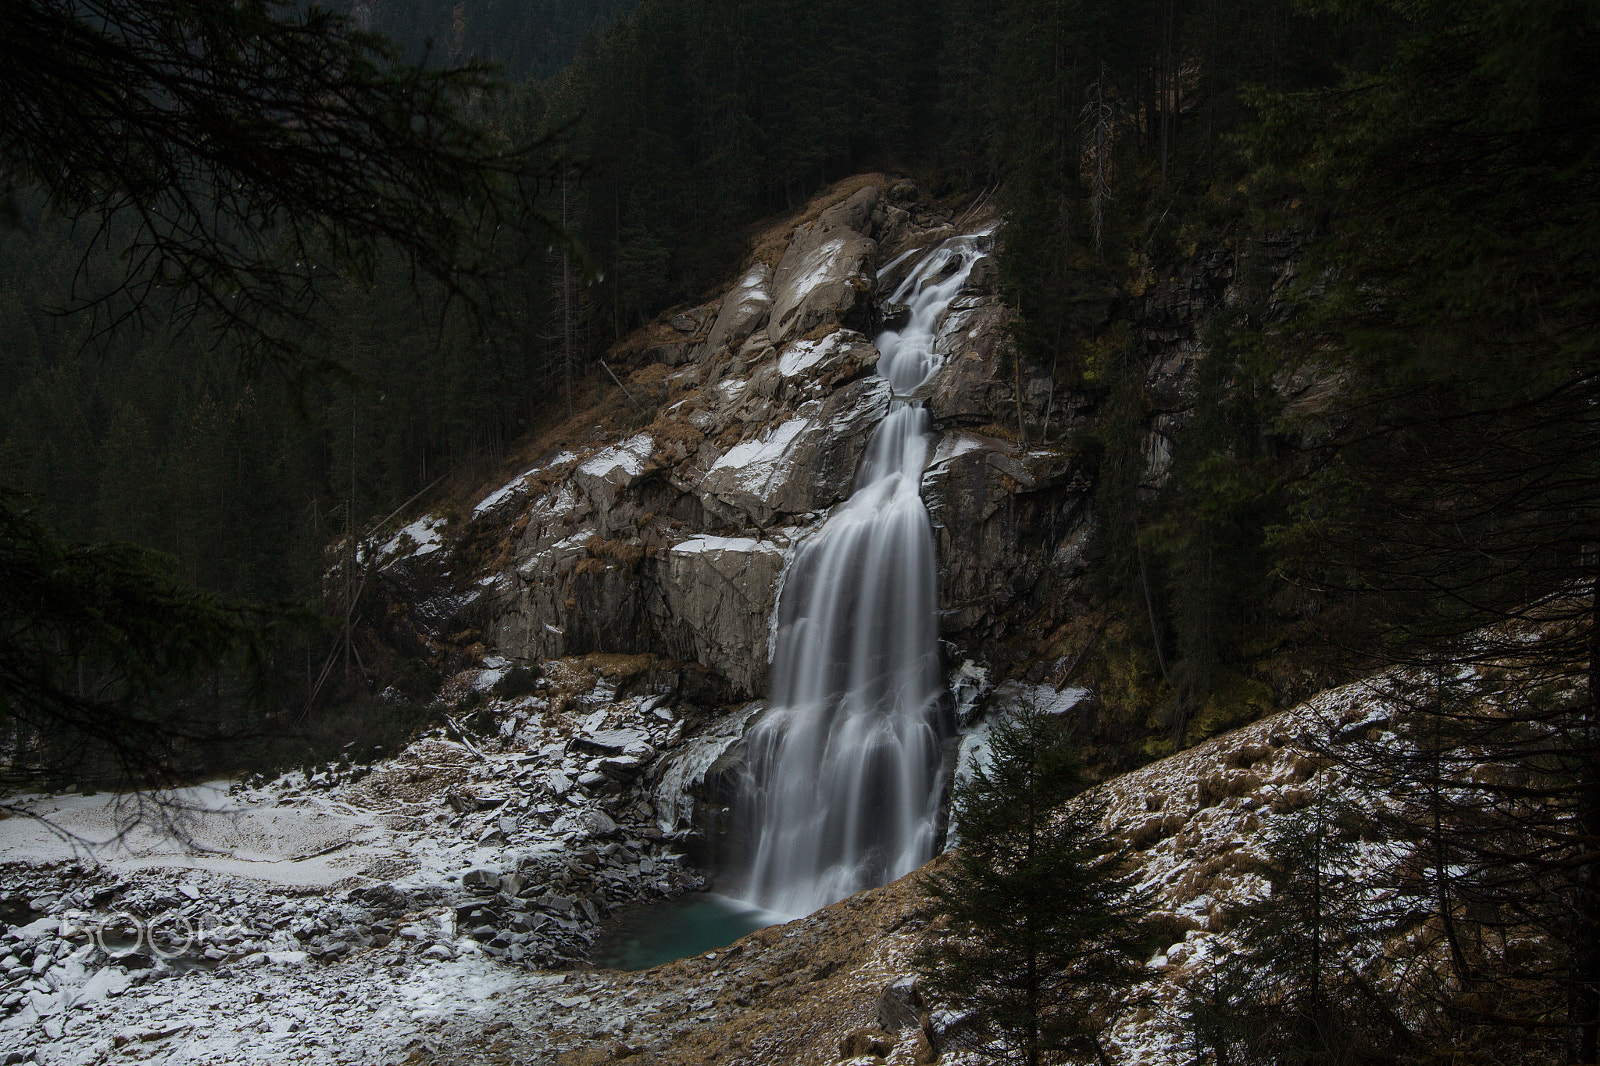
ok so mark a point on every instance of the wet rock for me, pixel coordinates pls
(999, 524)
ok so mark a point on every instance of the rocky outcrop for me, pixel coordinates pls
(744, 310)
(719, 593)
(1000, 519)
(828, 273)
(670, 537)
(804, 464)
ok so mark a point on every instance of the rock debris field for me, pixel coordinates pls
(340, 917)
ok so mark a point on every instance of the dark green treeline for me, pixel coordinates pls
(683, 124)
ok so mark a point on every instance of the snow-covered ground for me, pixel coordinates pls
(336, 918)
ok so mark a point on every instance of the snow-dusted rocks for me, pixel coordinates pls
(757, 418)
(827, 273)
(817, 367)
(804, 464)
(744, 310)
(610, 472)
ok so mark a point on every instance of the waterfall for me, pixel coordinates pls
(846, 767)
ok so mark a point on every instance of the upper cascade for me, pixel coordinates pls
(845, 769)
(908, 356)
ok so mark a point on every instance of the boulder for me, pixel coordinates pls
(586, 823)
(817, 367)
(900, 1005)
(744, 310)
(720, 592)
(668, 354)
(482, 879)
(613, 741)
(854, 213)
(606, 475)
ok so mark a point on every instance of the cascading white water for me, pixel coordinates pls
(845, 769)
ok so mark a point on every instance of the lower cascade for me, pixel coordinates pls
(846, 767)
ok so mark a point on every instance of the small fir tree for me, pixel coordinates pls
(1041, 931)
(1296, 991)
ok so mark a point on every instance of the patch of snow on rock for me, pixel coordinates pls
(757, 463)
(627, 458)
(518, 484)
(803, 355)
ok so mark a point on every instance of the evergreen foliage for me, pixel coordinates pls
(208, 180)
(1038, 932)
(96, 644)
(1446, 512)
(240, 157)
(1300, 990)
(528, 39)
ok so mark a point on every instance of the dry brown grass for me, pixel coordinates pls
(676, 439)
(651, 374)
(1214, 788)
(771, 237)
(821, 330)
(626, 552)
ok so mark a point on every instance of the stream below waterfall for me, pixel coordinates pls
(846, 767)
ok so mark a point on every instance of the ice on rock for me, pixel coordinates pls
(686, 769)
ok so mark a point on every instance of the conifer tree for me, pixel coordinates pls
(1449, 507)
(1297, 990)
(1040, 932)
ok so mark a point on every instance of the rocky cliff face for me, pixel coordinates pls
(670, 538)
(667, 532)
